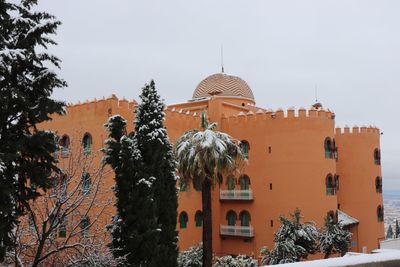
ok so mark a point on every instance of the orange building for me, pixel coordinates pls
(296, 159)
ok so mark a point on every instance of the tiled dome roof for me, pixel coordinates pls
(222, 84)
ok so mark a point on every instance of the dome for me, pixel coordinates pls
(222, 84)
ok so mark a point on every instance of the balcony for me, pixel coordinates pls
(236, 194)
(65, 152)
(233, 230)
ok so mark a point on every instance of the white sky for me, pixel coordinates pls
(350, 49)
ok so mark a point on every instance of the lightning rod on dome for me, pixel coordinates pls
(222, 58)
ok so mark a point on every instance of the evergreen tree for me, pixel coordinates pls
(158, 162)
(293, 241)
(333, 238)
(26, 84)
(389, 233)
(396, 229)
(134, 228)
(193, 257)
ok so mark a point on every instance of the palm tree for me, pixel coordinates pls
(203, 157)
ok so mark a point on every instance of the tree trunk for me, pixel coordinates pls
(207, 223)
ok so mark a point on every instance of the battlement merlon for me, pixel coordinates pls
(95, 104)
(357, 130)
(290, 113)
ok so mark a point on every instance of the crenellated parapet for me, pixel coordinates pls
(182, 116)
(107, 104)
(281, 114)
(357, 130)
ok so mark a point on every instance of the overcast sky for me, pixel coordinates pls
(283, 49)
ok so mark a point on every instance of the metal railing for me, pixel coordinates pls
(233, 230)
(65, 152)
(236, 194)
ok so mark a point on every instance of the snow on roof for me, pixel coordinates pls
(346, 219)
(351, 259)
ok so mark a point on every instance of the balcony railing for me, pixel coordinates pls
(233, 230)
(236, 194)
(65, 152)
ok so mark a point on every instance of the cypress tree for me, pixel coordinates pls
(158, 162)
(26, 84)
(389, 233)
(134, 228)
(396, 229)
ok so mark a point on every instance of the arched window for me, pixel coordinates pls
(85, 223)
(378, 184)
(245, 147)
(330, 188)
(198, 217)
(231, 183)
(244, 182)
(379, 213)
(328, 148)
(231, 217)
(87, 143)
(377, 157)
(336, 182)
(183, 219)
(244, 217)
(64, 141)
(86, 183)
(331, 216)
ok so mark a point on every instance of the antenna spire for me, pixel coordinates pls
(316, 93)
(222, 58)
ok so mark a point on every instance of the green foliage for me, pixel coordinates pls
(145, 229)
(192, 257)
(134, 229)
(206, 154)
(389, 233)
(203, 158)
(158, 162)
(396, 229)
(293, 241)
(239, 261)
(333, 238)
(26, 84)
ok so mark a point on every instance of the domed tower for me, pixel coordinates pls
(230, 94)
(223, 85)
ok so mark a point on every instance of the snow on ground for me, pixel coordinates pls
(380, 255)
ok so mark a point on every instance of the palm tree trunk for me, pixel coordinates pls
(207, 223)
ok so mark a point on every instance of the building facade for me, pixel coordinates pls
(295, 159)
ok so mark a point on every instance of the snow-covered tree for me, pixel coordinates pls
(239, 261)
(134, 228)
(389, 233)
(158, 162)
(396, 229)
(204, 156)
(293, 241)
(26, 84)
(333, 238)
(52, 231)
(193, 257)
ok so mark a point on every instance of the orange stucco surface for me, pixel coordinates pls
(287, 167)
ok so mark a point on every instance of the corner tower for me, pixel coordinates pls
(360, 194)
